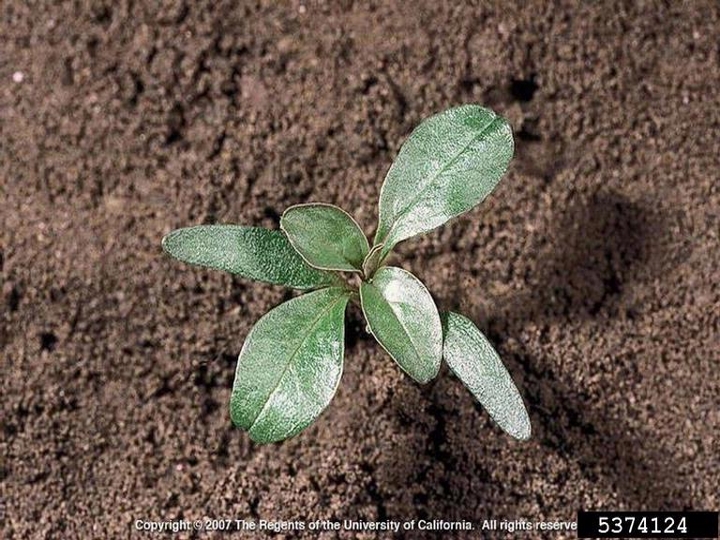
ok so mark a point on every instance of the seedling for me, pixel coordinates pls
(291, 362)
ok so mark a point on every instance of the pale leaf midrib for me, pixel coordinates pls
(399, 321)
(485, 129)
(291, 357)
(409, 336)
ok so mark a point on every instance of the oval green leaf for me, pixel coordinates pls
(250, 252)
(473, 359)
(290, 366)
(402, 316)
(449, 164)
(325, 236)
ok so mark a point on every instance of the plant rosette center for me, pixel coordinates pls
(291, 362)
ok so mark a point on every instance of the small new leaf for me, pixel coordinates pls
(250, 252)
(450, 163)
(474, 360)
(403, 318)
(326, 236)
(290, 366)
(372, 261)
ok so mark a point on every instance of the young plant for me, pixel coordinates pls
(291, 362)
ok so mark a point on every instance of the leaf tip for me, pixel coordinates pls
(523, 432)
(173, 242)
(166, 242)
(424, 379)
(259, 440)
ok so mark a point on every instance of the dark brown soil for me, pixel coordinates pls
(593, 267)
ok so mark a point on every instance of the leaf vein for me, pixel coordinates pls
(442, 171)
(291, 357)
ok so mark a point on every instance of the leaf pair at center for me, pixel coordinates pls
(400, 311)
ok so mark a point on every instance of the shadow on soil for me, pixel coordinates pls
(602, 245)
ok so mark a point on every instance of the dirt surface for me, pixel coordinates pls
(593, 267)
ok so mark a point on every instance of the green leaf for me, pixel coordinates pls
(290, 366)
(449, 164)
(474, 360)
(250, 252)
(325, 236)
(372, 261)
(403, 318)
